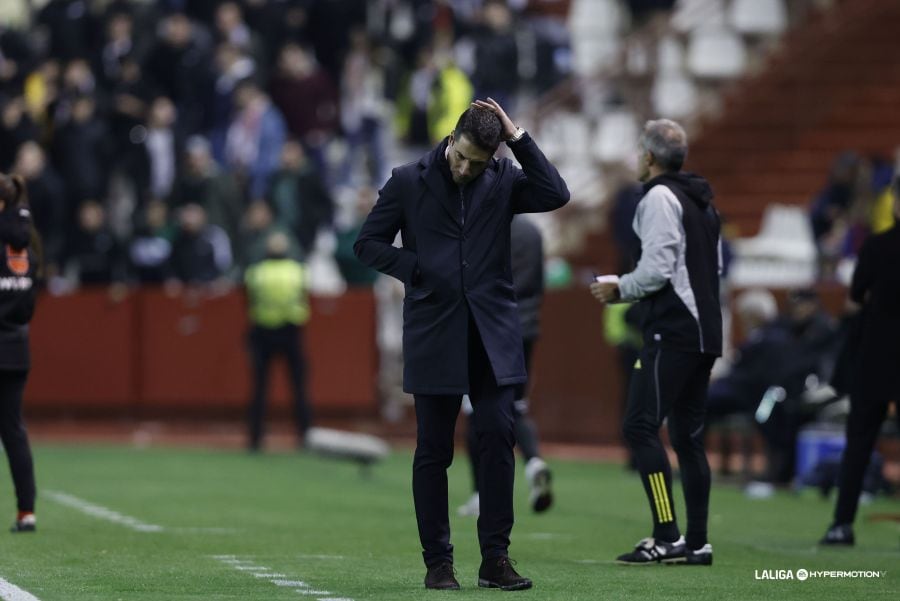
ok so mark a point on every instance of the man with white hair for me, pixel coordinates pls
(676, 286)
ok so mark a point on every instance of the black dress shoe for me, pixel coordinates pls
(498, 572)
(838, 535)
(442, 577)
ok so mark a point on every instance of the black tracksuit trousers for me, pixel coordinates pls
(15, 437)
(673, 384)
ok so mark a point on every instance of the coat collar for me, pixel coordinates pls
(478, 192)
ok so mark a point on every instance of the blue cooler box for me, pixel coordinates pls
(816, 445)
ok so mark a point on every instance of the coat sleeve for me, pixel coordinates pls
(538, 187)
(374, 245)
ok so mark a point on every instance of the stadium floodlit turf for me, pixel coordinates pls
(170, 524)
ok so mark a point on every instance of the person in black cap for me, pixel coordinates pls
(19, 263)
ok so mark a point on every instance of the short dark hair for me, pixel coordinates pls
(481, 126)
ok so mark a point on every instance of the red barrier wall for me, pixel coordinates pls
(152, 352)
(576, 388)
(81, 352)
(155, 351)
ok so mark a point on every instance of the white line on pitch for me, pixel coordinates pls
(249, 565)
(110, 515)
(10, 592)
(103, 513)
(546, 536)
(201, 530)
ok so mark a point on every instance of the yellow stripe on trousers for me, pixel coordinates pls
(656, 498)
(665, 495)
(665, 514)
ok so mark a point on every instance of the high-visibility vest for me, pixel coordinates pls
(276, 289)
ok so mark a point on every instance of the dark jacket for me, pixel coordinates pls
(528, 273)
(677, 275)
(876, 285)
(18, 287)
(454, 270)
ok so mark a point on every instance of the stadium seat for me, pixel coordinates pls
(758, 17)
(716, 53)
(674, 96)
(669, 55)
(616, 137)
(782, 255)
(567, 136)
(695, 14)
(593, 54)
(595, 16)
(595, 26)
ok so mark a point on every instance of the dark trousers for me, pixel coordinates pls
(492, 422)
(265, 345)
(671, 384)
(523, 426)
(15, 437)
(863, 425)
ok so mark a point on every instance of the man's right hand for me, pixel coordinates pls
(607, 292)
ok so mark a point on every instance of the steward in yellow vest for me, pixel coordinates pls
(279, 307)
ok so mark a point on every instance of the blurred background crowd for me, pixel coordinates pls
(163, 141)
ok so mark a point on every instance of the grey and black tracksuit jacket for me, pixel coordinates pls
(676, 281)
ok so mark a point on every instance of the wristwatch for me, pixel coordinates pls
(516, 136)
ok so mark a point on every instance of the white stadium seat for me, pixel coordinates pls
(697, 14)
(783, 254)
(758, 17)
(669, 55)
(716, 53)
(616, 137)
(674, 96)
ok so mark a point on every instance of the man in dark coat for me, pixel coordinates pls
(461, 331)
(875, 292)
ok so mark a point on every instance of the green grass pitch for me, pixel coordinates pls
(226, 525)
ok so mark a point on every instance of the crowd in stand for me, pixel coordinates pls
(855, 203)
(164, 140)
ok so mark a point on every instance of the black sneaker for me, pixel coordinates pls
(839, 535)
(26, 524)
(498, 572)
(442, 577)
(651, 551)
(699, 557)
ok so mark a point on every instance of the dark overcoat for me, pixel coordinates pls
(876, 286)
(454, 267)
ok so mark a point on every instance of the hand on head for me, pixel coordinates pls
(509, 128)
